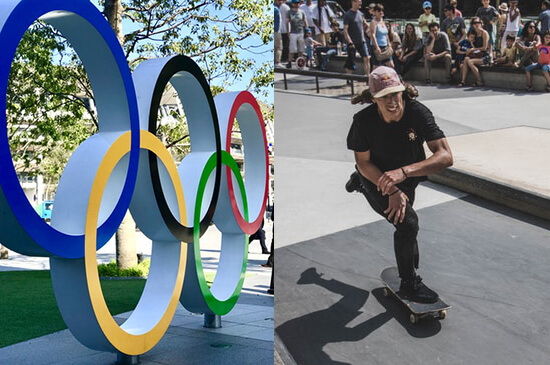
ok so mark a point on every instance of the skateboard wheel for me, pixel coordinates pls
(442, 314)
(386, 292)
(413, 319)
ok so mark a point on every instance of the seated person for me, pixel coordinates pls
(508, 54)
(527, 43)
(477, 55)
(438, 50)
(461, 51)
(411, 51)
(336, 38)
(543, 62)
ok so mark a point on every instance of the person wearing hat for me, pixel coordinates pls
(310, 46)
(513, 21)
(371, 10)
(296, 23)
(424, 20)
(387, 138)
(501, 26)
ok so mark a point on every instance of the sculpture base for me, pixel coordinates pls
(212, 320)
(124, 359)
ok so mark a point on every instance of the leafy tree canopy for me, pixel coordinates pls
(47, 112)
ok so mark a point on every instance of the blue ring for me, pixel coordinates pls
(35, 237)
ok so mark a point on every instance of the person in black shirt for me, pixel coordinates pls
(336, 38)
(387, 138)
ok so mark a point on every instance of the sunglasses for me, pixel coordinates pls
(531, 27)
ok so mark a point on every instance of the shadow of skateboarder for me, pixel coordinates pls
(306, 336)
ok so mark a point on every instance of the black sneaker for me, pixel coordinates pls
(416, 291)
(353, 184)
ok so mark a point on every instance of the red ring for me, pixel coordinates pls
(246, 97)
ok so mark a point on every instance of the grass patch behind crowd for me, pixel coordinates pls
(28, 308)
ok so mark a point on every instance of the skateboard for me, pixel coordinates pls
(391, 280)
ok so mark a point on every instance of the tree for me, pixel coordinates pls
(126, 255)
(210, 31)
(41, 111)
(223, 37)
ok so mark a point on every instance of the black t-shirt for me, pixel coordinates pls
(397, 144)
(336, 37)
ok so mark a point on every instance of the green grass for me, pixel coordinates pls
(28, 308)
(112, 270)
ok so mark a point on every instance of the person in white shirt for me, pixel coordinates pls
(322, 16)
(513, 20)
(308, 8)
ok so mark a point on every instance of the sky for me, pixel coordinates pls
(239, 84)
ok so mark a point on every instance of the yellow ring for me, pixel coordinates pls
(127, 343)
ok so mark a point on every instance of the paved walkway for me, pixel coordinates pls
(488, 261)
(246, 335)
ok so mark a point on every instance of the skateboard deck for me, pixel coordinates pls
(390, 278)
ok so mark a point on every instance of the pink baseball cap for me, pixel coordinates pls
(383, 81)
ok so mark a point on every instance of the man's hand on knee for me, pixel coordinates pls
(397, 206)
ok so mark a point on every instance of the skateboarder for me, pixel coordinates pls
(387, 139)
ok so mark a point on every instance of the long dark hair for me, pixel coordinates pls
(525, 30)
(409, 41)
(365, 97)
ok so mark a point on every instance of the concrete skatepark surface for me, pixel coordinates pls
(487, 261)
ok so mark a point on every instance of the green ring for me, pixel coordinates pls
(217, 306)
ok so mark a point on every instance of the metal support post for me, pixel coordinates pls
(212, 320)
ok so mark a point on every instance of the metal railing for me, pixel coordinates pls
(320, 74)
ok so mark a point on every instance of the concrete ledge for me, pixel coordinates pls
(498, 192)
(497, 77)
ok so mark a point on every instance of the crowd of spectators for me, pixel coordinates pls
(495, 37)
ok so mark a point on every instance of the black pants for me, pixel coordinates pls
(404, 67)
(260, 236)
(285, 55)
(404, 237)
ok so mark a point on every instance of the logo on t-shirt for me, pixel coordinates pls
(411, 133)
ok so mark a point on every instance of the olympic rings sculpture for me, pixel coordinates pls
(125, 166)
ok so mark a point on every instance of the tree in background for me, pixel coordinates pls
(223, 37)
(48, 112)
